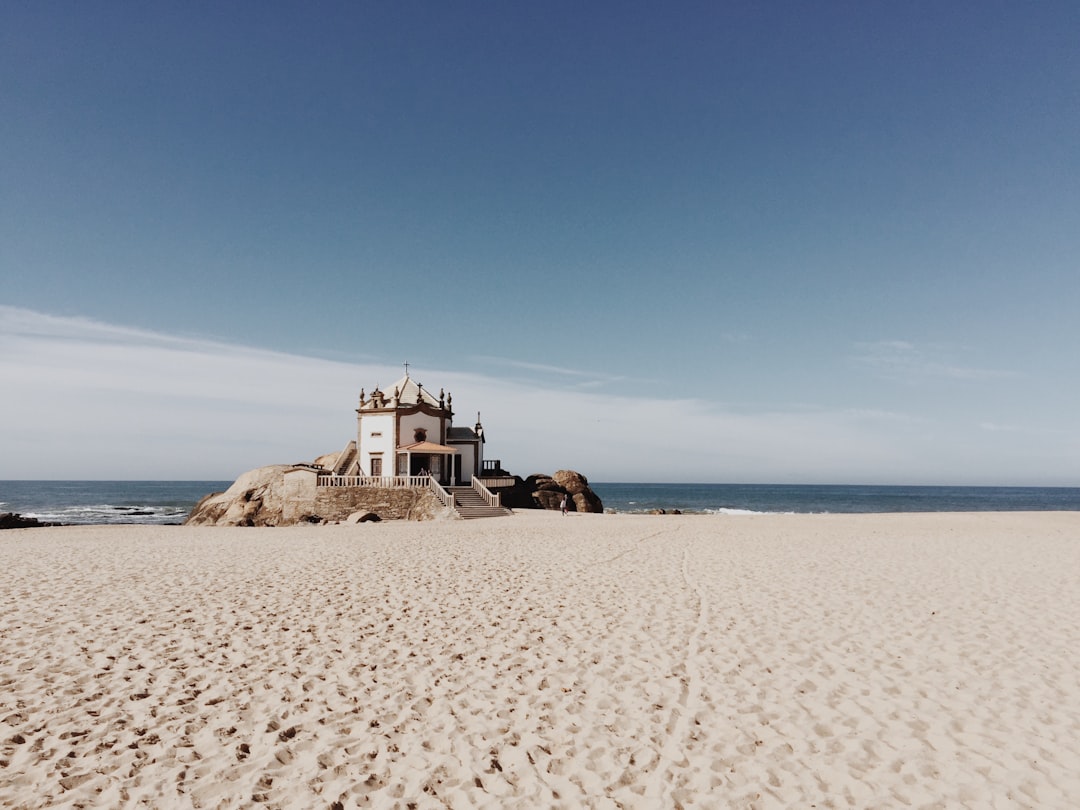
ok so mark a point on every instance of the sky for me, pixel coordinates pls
(779, 242)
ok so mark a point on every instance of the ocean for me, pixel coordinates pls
(168, 502)
(736, 499)
(96, 502)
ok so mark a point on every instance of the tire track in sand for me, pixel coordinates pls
(634, 545)
(671, 752)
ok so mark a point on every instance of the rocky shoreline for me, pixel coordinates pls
(11, 520)
(258, 498)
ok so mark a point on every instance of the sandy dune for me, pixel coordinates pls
(539, 661)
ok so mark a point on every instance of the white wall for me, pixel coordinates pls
(420, 420)
(467, 461)
(376, 423)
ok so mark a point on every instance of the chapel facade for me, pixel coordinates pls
(408, 431)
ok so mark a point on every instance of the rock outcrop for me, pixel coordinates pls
(542, 491)
(362, 517)
(327, 462)
(581, 494)
(254, 499)
(258, 498)
(11, 520)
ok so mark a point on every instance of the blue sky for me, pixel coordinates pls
(776, 242)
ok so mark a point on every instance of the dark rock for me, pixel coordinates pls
(10, 520)
(583, 499)
(544, 482)
(362, 517)
(518, 496)
(542, 491)
(548, 498)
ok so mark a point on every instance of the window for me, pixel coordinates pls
(376, 465)
(420, 435)
(376, 434)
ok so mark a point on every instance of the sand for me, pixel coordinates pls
(545, 661)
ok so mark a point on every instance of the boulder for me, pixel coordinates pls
(11, 520)
(542, 481)
(548, 499)
(328, 461)
(257, 498)
(254, 499)
(543, 491)
(362, 517)
(576, 485)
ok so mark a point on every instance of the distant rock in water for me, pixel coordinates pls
(10, 520)
(542, 491)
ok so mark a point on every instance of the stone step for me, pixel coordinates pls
(469, 504)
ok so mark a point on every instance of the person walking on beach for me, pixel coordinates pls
(562, 504)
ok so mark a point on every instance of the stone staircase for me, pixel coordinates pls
(346, 459)
(469, 504)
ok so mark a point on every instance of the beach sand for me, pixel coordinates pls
(543, 661)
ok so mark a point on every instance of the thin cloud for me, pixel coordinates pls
(993, 427)
(503, 361)
(735, 337)
(93, 400)
(1029, 430)
(26, 323)
(582, 378)
(872, 414)
(902, 360)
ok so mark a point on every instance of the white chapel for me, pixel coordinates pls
(408, 431)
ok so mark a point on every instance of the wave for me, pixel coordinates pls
(700, 510)
(110, 514)
(725, 510)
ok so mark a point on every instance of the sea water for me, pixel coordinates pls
(798, 498)
(165, 502)
(96, 502)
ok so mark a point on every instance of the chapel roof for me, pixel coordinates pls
(409, 392)
(460, 433)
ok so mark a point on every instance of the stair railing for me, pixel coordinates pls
(491, 498)
(377, 481)
(346, 459)
(447, 498)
